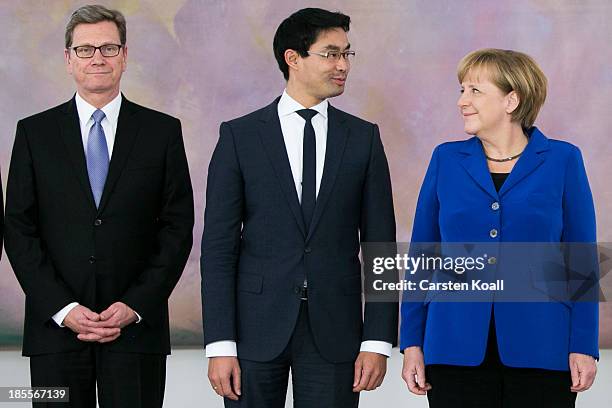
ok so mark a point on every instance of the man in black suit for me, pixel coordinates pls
(99, 221)
(292, 190)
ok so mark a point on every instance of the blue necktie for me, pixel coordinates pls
(97, 156)
(309, 166)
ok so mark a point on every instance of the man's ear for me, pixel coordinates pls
(292, 58)
(68, 62)
(124, 50)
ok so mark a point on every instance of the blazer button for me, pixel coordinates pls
(495, 206)
(493, 233)
(92, 259)
(307, 250)
(97, 223)
(492, 260)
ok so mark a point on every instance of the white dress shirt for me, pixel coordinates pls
(292, 126)
(85, 111)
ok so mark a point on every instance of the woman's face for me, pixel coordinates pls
(484, 107)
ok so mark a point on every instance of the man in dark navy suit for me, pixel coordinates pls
(293, 189)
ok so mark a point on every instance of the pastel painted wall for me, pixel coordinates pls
(207, 61)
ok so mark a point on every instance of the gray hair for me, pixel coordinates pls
(92, 14)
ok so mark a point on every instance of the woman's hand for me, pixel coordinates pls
(413, 371)
(583, 369)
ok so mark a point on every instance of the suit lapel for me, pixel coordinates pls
(127, 132)
(70, 129)
(337, 134)
(530, 160)
(475, 163)
(272, 140)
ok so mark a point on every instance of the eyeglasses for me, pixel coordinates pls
(334, 56)
(88, 51)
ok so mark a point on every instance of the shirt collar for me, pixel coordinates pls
(85, 109)
(287, 105)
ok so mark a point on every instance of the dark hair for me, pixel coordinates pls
(301, 29)
(92, 14)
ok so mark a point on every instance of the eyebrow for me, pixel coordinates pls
(335, 47)
(91, 45)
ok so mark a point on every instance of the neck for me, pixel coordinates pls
(98, 100)
(505, 142)
(300, 94)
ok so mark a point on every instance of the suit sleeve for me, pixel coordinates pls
(221, 240)
(377, 225)
(24, 247)
(425, 229)
(579, 227)
(150, 292)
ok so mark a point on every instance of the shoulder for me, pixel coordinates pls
(46, 115)
(563, 147)
(559, 149)
(454, 147)
(352, 121)
(361, 132)
(150, 114)
(246, 122)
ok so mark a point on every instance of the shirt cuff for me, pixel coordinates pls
(375, 346)
(61, 315)
(223, 348)
(138, 316)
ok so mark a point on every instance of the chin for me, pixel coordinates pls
(336, 92)
(470, 130)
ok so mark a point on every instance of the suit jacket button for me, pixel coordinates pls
(92, 259)
(307, 250)
(97, 223)
(493, 233)
(495, 206)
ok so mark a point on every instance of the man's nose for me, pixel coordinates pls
(97, 57)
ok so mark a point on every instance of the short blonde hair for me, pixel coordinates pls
(510, 71)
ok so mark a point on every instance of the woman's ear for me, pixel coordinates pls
(512, 102)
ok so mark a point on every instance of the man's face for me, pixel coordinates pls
(97, 74)
(324, 77)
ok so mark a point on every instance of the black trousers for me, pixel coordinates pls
(129, 380)
(317, 383)
(493, 385)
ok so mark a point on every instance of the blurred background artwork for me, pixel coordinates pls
(206, 61)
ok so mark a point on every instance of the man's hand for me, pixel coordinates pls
(81, 320)
(224, 376)
(413, 371)
(583, 369)
(370, 369)
(115, 317)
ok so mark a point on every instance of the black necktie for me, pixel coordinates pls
(309, 167)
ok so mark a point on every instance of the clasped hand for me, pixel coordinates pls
(101, 327)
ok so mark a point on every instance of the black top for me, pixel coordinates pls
(498, 179)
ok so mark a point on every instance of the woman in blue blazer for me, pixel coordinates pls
(508, 183)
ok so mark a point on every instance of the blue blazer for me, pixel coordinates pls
(546, 198)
